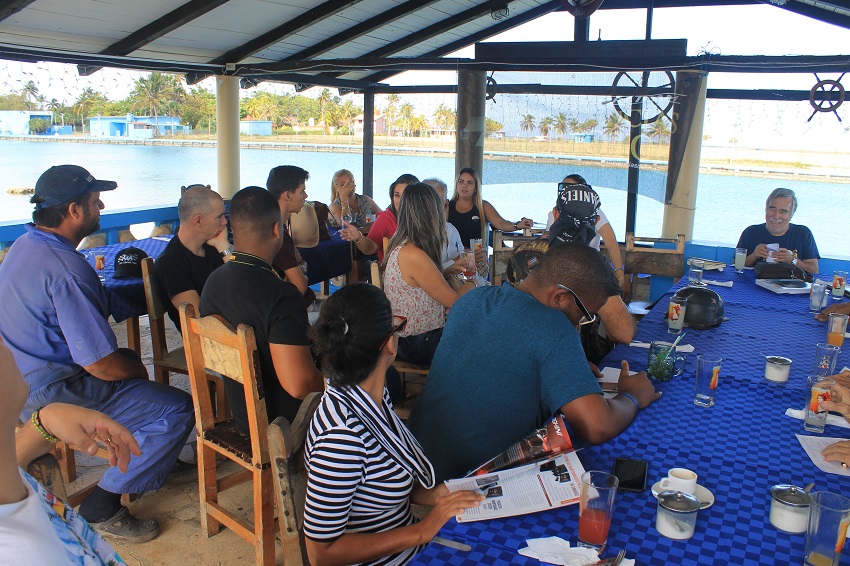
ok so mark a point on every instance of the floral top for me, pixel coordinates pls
(41, 529)
(358, 217)
(423, 312)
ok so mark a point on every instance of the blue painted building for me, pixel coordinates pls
(135, 127)
(255, 127)
(17, 122)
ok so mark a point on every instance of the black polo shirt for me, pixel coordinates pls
(247, 290)
(178, 270)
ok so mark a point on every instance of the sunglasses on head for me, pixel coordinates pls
(399, 324)
(587, 318)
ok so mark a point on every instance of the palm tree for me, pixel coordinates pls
(348, 112)
(545, 125)
(325, 99)
(418, 124)
(389, 113)
(659, 130)
(574, 125)
(406, 113)
(85, 102)
(153, 93)
(29, 93)
(615, 126)
(561, 124)
(444, 117)
(527, 123)
(589, 125)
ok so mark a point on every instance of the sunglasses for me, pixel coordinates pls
(587, 318)
(399, 324)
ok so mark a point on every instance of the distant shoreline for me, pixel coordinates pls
(779, 173)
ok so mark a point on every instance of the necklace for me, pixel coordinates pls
(254, 261)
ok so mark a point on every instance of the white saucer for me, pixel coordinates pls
(706, 498)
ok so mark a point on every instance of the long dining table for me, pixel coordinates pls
(739, 448)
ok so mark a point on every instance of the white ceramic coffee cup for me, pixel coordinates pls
(680, 479)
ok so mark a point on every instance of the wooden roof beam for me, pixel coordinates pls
(156, 29)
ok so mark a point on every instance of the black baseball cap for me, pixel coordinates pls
(128, 262)
(63, 183)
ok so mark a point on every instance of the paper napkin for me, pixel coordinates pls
(555, 550)
(831, 419)
(718, 283)
(687, 348)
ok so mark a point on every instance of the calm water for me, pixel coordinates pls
(152, 175)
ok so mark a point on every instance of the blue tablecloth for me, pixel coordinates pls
(740, 447)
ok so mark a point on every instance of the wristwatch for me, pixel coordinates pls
(227, 252)
(794, 261)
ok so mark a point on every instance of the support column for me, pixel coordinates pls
(368, 142)
(471, 103)
(685, 150)
(227, 134)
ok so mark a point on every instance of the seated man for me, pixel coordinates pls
(288, 184)
(199, 248)
(475, 406)
(796, 243)
(248, 290)
(58, 333)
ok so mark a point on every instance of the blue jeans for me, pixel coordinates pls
(419, 349)
(159, 416)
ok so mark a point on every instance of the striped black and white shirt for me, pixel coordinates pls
(362, 462)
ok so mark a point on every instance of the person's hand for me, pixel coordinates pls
(349, 232)
(453, 269)
(86, 429)
(595, 370)
(783, 255)
(524, 223)
(220, 241)
(823, 315)
(448, 506)
(839, 401)
(838, 452)
(480, 256)
(762, 251)
(842, 379)
(638, 385)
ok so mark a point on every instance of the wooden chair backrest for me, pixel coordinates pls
(652, 260)
(212, 344)
(375, 272)
(286, 449)
(156, 310)
(386, 245)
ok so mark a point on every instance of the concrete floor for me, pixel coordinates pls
(181, 541)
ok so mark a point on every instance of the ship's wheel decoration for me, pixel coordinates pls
(828, 103)
(663, 103)
(491, 88)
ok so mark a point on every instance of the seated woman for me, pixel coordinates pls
(364, 466)
(384, 226)
(470, 215)
(345, 202)
(413, 278)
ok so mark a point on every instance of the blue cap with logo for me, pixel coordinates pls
(63, 183)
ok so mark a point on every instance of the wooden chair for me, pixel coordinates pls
(286, 449)
(167, 361)
(647, 259)
(502, 253)
(213, 345)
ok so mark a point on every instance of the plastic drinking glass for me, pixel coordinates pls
(826, 355)
(598, 491)
(740, 259)
(708, 376)
(676, 314)
(829, 516)
(476, 243)
(836, 326)
(817, 391)
(662, 364)
(695, 273)
(816, 296)
(839, 278)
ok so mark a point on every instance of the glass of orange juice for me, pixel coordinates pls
(835, 329)
(598, 491)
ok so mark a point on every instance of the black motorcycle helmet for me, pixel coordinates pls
(704, 308)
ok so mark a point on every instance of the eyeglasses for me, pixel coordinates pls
(587, 318)
(399, 324)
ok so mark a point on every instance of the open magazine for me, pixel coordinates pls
(542, 471)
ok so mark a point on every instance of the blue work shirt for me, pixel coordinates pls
(53, 311)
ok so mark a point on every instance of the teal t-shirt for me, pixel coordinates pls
(504, 365)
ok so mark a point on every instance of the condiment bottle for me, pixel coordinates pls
(676, 516)
(789, 508)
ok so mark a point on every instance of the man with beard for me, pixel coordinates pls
(795, 242)
(53, 317)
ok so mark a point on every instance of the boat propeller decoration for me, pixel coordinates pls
(831, 96)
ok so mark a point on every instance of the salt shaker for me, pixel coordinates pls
(676, 516)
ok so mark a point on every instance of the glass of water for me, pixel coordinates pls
(740, 259)
(695, 273)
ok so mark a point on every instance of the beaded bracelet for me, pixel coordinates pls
(36, 422)
(358, 240)
(635, 401)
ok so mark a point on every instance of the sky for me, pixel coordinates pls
(737, 30)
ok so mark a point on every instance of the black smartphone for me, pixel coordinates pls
(631, 473)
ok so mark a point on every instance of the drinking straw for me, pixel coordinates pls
(673, 347)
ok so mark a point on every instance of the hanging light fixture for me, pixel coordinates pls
(500, 13)
(581, 9)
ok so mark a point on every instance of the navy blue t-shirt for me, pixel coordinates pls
(798, 239)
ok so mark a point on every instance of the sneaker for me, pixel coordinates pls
(126, 528)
